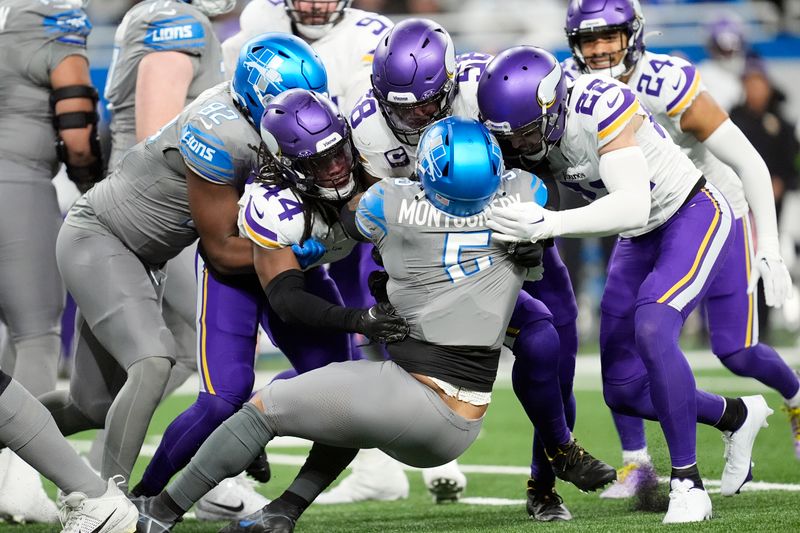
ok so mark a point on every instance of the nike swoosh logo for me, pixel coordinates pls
(99, 528)
(259, 213)
(231, 508)
(613, 102)
(677, 84)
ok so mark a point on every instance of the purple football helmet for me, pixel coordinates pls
(413, 77)
(587, 18)
(522, 100)
(309, 144)
(726, 36)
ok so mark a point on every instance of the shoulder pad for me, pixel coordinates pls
(271, 217)
(604, 105)
(176, 27)
(70, 26)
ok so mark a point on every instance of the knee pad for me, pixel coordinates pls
(538, 345)
(215, 408)
(623, 397)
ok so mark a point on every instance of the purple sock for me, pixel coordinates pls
(568, 341)
(672, 385)
(763, 363)
(535, 380)
(182, 439)
(630, 430)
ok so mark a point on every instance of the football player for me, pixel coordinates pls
(48, 117)
(606, 37)
(417, 79)
(675, 231)
(443, 376)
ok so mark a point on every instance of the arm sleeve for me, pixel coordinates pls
(730, 146)
(627, 206)
(288, 297)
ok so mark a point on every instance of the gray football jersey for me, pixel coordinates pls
(157, 26)
(453, 284)
(144, 201)
(34, 38)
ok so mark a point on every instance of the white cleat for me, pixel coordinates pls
(687, 503)
(112, 512)
(22, 496)
(233, 499)
(739, 445)
(446, 483)
(375, 476)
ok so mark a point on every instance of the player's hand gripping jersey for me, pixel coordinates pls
(598, 109)
(35, 36)
(382, 153)
(431, 256)
(157, 26)
(273, 218)
(666, 86)
(144, 201)
(346, 50)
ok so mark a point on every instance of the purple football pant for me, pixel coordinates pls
(535, 375)
(230, 310)
(555, 291)
(654, 282)
(732, 317)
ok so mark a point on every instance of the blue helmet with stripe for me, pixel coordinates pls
(269, 64)
(459, 164)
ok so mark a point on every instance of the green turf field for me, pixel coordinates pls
(505, 441)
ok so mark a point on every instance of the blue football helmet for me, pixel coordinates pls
(459, 164)
(269, 64)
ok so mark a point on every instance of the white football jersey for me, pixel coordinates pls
(273, 218)
(598, 109)
(346, 50)
(382, 153)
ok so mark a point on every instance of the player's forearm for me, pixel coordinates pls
(231, 255)
(730, 146)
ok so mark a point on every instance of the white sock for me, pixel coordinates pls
(640, 457)
(794, 401)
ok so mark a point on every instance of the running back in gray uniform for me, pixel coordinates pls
(144, 201)
(157, 26)
(35, 37)
(447, 278)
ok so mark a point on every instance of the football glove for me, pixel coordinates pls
(381, 323)
(770, 268)
(526, 221)
(309, 252)
(377, 285)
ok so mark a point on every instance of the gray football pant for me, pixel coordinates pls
(27, 428)
(31, 292)
(353, 404)
(124, 349)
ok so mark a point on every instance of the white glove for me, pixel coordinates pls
(526, 221)
(535, 273)
(777, 281)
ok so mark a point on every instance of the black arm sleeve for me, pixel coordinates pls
(288, 297)
(348, 220)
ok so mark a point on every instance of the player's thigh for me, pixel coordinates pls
(31, 292)
(115, 294)
(732, 312)
(228, 309)
(180, 287)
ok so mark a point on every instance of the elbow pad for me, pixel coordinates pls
(87, 175)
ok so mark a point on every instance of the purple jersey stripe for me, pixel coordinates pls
(628, 99)
(690, 72)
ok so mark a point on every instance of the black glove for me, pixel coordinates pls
(376, 256)
(526, 254)
(381, 323)
(377, 285)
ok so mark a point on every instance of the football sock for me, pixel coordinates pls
(27, 428)
(688, 472)
(227, 452)
(672, 385)
(733, 416)
(763, 363)
(631, 433)
(37, 363)
(130, 414)
(181, 441)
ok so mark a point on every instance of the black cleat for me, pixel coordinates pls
(259, 468)
(545, 505)
(275, 517)
(574, 464)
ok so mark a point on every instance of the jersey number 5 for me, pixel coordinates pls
(454, 244)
